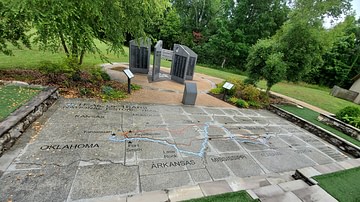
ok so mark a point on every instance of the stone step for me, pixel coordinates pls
(254, 182)
(281, 191)
(285, 197)
(293, 185)
(314, 193)
(268, 191)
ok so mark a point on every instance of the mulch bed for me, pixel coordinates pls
(272, 99)
(68, 88)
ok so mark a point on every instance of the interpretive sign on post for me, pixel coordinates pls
(157, 61)
(129, 75)
(227, 86)
(139, 61)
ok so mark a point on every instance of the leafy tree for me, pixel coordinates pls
(223, 46)
(274, 70)
(259, 19)
(302, 39)
(168, 29)
(75, 26)
(196, 14)
(265, 62)
(341, 62)
(13, 28)
(303, 46)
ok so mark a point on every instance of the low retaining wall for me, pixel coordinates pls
(324, 134)
(17, 122)
(343, 127)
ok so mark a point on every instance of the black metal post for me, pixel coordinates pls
(129, 86)
(224, 94)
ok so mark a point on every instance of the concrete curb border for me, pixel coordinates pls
(17, 122)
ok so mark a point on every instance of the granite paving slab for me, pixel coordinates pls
(117, 149)
(49, 184)
(104, 180)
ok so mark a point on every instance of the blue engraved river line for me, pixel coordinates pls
(201, 152)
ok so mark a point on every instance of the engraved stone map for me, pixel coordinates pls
(85, 149)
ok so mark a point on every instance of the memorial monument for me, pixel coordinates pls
(157, 60)
(139, 56)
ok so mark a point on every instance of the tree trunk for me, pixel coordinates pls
(64, 44)
(268, 90)
(82, 54)
(223, 63)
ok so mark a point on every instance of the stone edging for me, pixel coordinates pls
(320, 132)
(17, 122)
(343, 127)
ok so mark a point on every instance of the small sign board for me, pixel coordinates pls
(167, 54)
(128, 73)
(228, 85)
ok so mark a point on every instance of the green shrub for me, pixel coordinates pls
(242, 103)
(264, 98)
(249, 93)
(111, 93)
(48, 67)
(98, 74)
(134, 86)
(233, 100)
(349, 111)
(85, 91)
(254, 104)
(238, 86)
(105, 76)
(354, 121)
(350, 115)
(217, 90)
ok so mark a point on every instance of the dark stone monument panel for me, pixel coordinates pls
(180, 64)
(192, 63)
(140, 56)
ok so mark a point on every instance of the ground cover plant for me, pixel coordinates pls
(350, 115)
(242, 95)
(311, 116)
(13, 97)
(240, 196)
(342, 185)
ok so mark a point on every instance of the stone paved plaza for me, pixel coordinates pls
(84, 149)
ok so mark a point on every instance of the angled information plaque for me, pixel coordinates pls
(128, 73)
(228, 85)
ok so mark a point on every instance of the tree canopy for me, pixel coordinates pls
(76, 25)
(13, 28)
(224, 33)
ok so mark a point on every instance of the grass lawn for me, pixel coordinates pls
(240, 196)
(312, 94)
(12, 97)
(342, 185)
(30, 59)
(311, 116)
